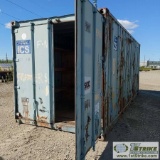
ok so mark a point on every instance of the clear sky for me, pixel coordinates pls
(140, 17)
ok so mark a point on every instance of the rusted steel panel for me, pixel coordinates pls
(121, 69)
(89, 31)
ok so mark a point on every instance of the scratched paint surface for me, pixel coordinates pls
(44, 80)
(89, 79)
(121, 70)
(23, 85)
(33, 79)
(33, 60)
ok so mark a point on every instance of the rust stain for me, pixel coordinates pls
(113, 95)
(86, 127)
(42, 121)
(114, 106)
(87, 103)
(108, 110)
(122, 103)
(42, 118)
(25, 111)
(59, 126)
(25, 102)
(43, 124)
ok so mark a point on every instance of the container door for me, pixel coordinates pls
(44, 74)
(23, 76)
(88, 76)
(33, 73)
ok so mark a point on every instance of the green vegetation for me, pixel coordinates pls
(155, 69)
(143, 68)
(5, 61)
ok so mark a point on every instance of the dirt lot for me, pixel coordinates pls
(140, 122)
(150, 80)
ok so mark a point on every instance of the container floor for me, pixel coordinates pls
(65, 119)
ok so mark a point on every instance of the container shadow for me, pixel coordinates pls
(139, 122)
(150, 92)
(1, 158)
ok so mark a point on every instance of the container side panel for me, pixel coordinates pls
(121, 70)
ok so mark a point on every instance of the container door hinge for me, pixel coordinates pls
(35, 104)
(16, 60)
(103, 19)
(16, 31)
(17, 87)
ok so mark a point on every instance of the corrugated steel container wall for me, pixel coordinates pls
(33, 82)
(121, 69)
(89, 32)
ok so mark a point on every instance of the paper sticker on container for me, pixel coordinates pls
(23, 47)
(87, 85)
(115, 43)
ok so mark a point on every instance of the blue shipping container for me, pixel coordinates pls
(75, 73)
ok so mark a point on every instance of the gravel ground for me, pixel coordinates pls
(26, 142)
(150, 80)
(140, 122)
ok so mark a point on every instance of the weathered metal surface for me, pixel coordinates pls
(97, 81)
(33, 82)
(121, 69)
(88, 76)
(67, 126)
